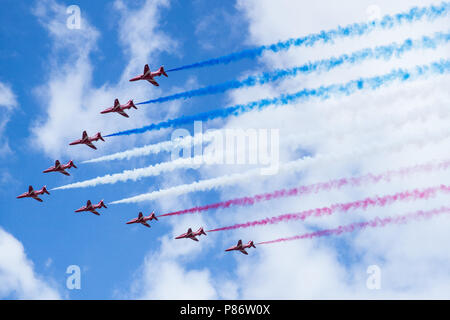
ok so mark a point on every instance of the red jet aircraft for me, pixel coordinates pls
(120, 107)
(149, 76)
(240, 247)
(143, 219)
(192, 235)
(58, 167)
(88, 140)
(90, 207)
(34, 194)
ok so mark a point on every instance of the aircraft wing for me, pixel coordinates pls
(64, 172)
(37, 198)
(122, 113)
(243, 251)
(146, 224)
(89, 144)
(153, 82)
(95, 212)
(194, 238)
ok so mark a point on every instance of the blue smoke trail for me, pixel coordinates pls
(381, 52)
(356, 29)
(323, 92)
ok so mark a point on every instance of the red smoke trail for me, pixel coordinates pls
(344, 207)
(321, 186)
(375, 223)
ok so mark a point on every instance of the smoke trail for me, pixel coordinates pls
(317, 187)
(185, 163)
(168, 146)
(375, 223)
(381, 52)
(344, 207)
(356, 29)
(137, 174)
(324, 92)
(421, 138)
(292, 140)
(414, 113)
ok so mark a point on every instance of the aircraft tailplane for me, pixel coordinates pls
(162, 71)
(44, 189)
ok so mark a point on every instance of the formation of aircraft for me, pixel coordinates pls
(31, 193)
(119, 108)
(143, 219)
(58, 167)
(85, 139)
(92, 207)
(241, 247)
(192, 235)
(149, 76)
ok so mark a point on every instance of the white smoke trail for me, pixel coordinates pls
(292, 140)
(420, 139)
(438, 100)
(136, 174)
(167, 146)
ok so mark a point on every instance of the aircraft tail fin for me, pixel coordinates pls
(72, 165)
(162, 71)
(44, 190)
(102, 204)
(132, 104)
(251, 244)
(99, 136)
(201, 231)
(152, 216)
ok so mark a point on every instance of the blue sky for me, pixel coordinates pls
(60, 80)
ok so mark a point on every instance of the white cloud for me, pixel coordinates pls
(70, 101)
(140, 35)
(164, 276)
(8, 102)
(17, 277)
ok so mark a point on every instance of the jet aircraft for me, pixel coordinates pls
(149, 76)
(58, 167)
(143, 219)
(119, 108)
(192, 235)
(91, 207)
(85, 139)
(33, 193)
(241, 247)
